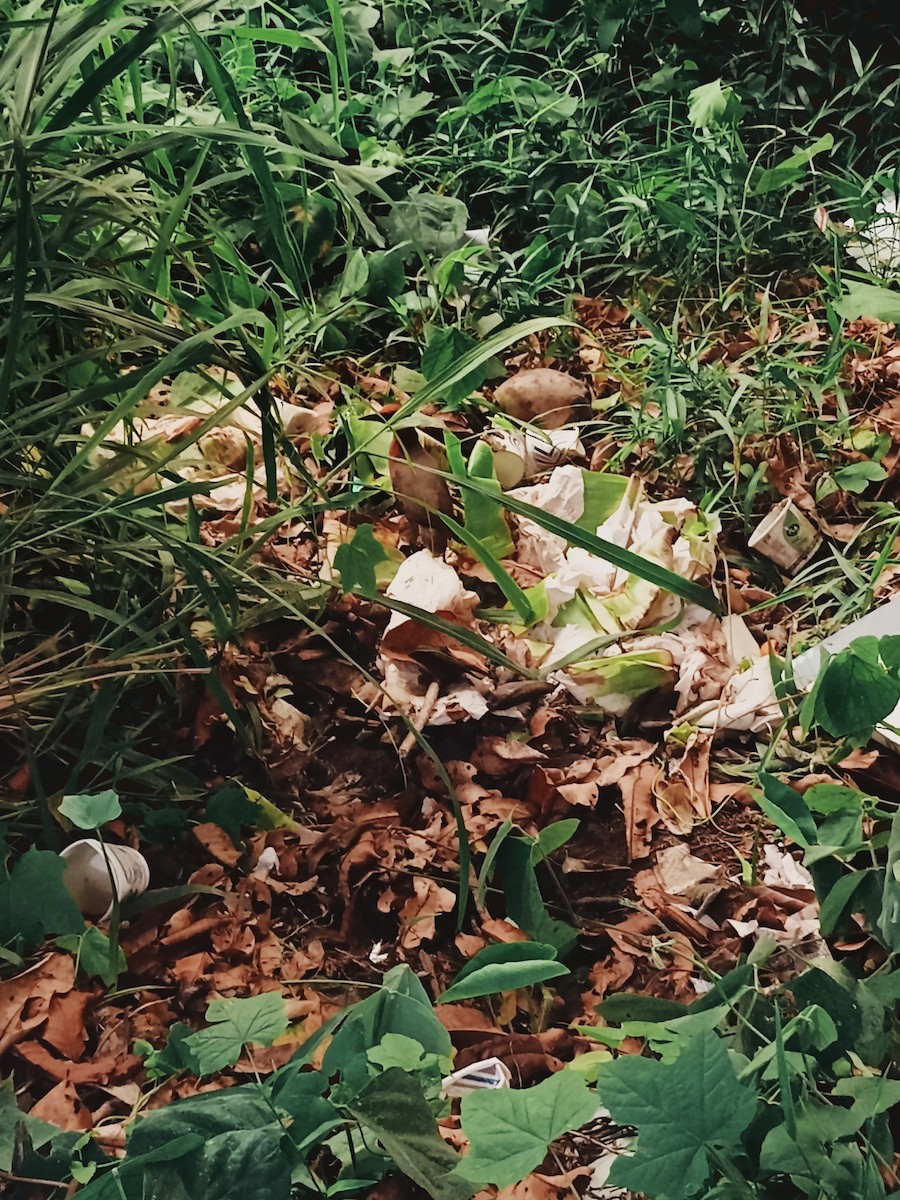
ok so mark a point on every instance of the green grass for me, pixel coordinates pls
(265, 191)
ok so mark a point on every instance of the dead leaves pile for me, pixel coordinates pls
(666, 872)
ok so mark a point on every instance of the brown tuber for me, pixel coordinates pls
(540, 396)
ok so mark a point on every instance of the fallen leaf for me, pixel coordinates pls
(53, 975)
(419, 912)
(501, 756)
(96, 1070)
(682, 873)
(641, 813)
(62, 1106)
(65, 1030)
(217, 842)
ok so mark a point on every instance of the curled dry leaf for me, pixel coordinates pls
(638, 788)
(500, 756)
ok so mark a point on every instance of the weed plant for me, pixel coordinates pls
(204, 186)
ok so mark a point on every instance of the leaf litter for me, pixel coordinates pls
(550, 684)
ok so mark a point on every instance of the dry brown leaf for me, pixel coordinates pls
(62, 1106)
(457, 1018)
(533, 1187)
(859, 759)
(681, 873)
(418, 914)
(413, 643)
(218, 843)
(692, 769)
(503, 931)
(53, 975)
(501, 756)
(641, 813)
(100, 1069)
(65, 1030)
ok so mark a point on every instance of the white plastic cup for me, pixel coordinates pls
(91, 881)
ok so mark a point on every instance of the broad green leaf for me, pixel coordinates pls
(815, 1160)
(603, 493)
(171, 1059)
(444, 349)
(207, 1116)
(889, 921)
(240, 1153)
(889, 652)
(854, 694)
(93, 951)
(629, 1006)
(397, 1050)
(504, 968)
(837, 903)
(34, 901)
(91, 812)
(856, 477)
(871, 1095)
(552, 837)
(232, 807)
(235, 1023)
(828, 798)
(510, 1129)
(589, 1065)
(483, 508)
(356, 561)
(886, 988)
(855, 1010)
(138, 1176)
(787, 809)
(393, 1106)
(11, 1116)
(524, 903)
(710, 104)
(686, 15)
(683, 1111)
(432, 223)
(301, 1095)
(868, 300)
(400, 1006)
(791, 169)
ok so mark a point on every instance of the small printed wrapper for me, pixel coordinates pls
(489, 1074)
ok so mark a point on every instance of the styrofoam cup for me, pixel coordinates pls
(91, 881)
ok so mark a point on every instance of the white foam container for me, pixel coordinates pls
(94, 869)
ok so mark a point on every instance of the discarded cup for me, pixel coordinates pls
(786, 536)
(91, 881)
